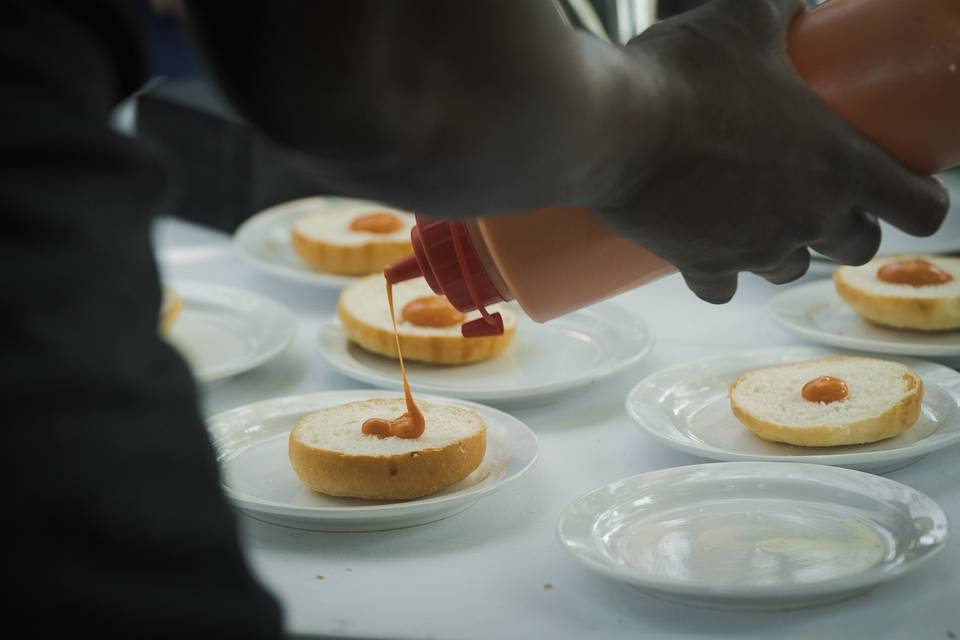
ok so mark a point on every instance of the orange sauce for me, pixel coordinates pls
(377, 222)
(411, 424)
(825, 389)
(916, 273)
(431, 311)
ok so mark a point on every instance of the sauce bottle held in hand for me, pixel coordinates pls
(890, 67)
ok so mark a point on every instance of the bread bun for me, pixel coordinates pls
(902, 306)
(365, 315)
(170, 308)
(331, 455)
(884, 399)
(325, 241)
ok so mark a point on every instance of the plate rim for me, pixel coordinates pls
(637, 324)
(247, 231)
(848, 583)
(277, 311)
(395, 509)
(775, 311)
(711, 452)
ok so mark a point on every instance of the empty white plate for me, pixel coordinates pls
(686, 408)
(543, 359)
(753, 535)
(816, 312)
(264, 242)
(251, 444)
(223, 331)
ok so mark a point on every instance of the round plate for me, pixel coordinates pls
(264, 242)
(816, 312)
(686, 408)
(543, 359)
(223, 331)
(251, 444)
(753, 535)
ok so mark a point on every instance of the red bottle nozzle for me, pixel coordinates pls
(445, 256)
(492, 325)
(406, 269)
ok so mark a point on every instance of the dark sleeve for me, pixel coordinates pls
(116, 521)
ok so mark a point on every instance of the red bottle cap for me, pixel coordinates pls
(445, 256)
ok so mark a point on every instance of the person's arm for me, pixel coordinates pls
(116, 524)
(698, 140)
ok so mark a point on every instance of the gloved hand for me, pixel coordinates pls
(754, 168)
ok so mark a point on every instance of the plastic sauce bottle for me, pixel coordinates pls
(890, 67)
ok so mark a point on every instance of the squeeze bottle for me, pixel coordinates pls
(890, 67)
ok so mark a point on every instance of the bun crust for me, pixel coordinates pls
(349, 466)
(929, 308)
(364, 314)
(325, 241)
(348, 260)
(822, 427)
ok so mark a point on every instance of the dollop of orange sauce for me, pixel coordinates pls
(431, 311)
(377, 222)
(411, 424)
(825, 389)
(916, 273)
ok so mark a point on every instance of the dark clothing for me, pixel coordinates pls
(113, 505)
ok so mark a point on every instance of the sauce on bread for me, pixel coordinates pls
(916, 273)
(431, 311)
(377, 222)
(410, 424)
(825, 389)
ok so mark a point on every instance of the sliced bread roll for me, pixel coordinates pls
(931, 307)
(365, 315)
(883, 400)
(331, 455)
(325, 240)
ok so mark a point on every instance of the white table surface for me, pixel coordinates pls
(483, 573)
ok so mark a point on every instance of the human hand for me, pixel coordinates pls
(754, 168)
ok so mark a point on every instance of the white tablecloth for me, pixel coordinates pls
(484, 573)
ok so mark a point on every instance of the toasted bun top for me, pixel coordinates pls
(865, 278)
(366, 300)
(330, 222)
(339, 428)
(773, 394)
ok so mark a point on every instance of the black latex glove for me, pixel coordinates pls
(755, 168)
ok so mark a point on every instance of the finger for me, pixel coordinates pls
(854, 240)
(914, 204)
(712, 289)
(793, 267)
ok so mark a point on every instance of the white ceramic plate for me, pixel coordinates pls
(815, 311)
(264, 242)
(543, 359)
(686, 408)
(251, 444)
(223, 331)
(753, 535)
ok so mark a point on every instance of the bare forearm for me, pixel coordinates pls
(444, 107)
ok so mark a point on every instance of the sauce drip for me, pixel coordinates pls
(916, 273)
(411, 424)
(377, 222)
(825, 389)
(431, 311)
